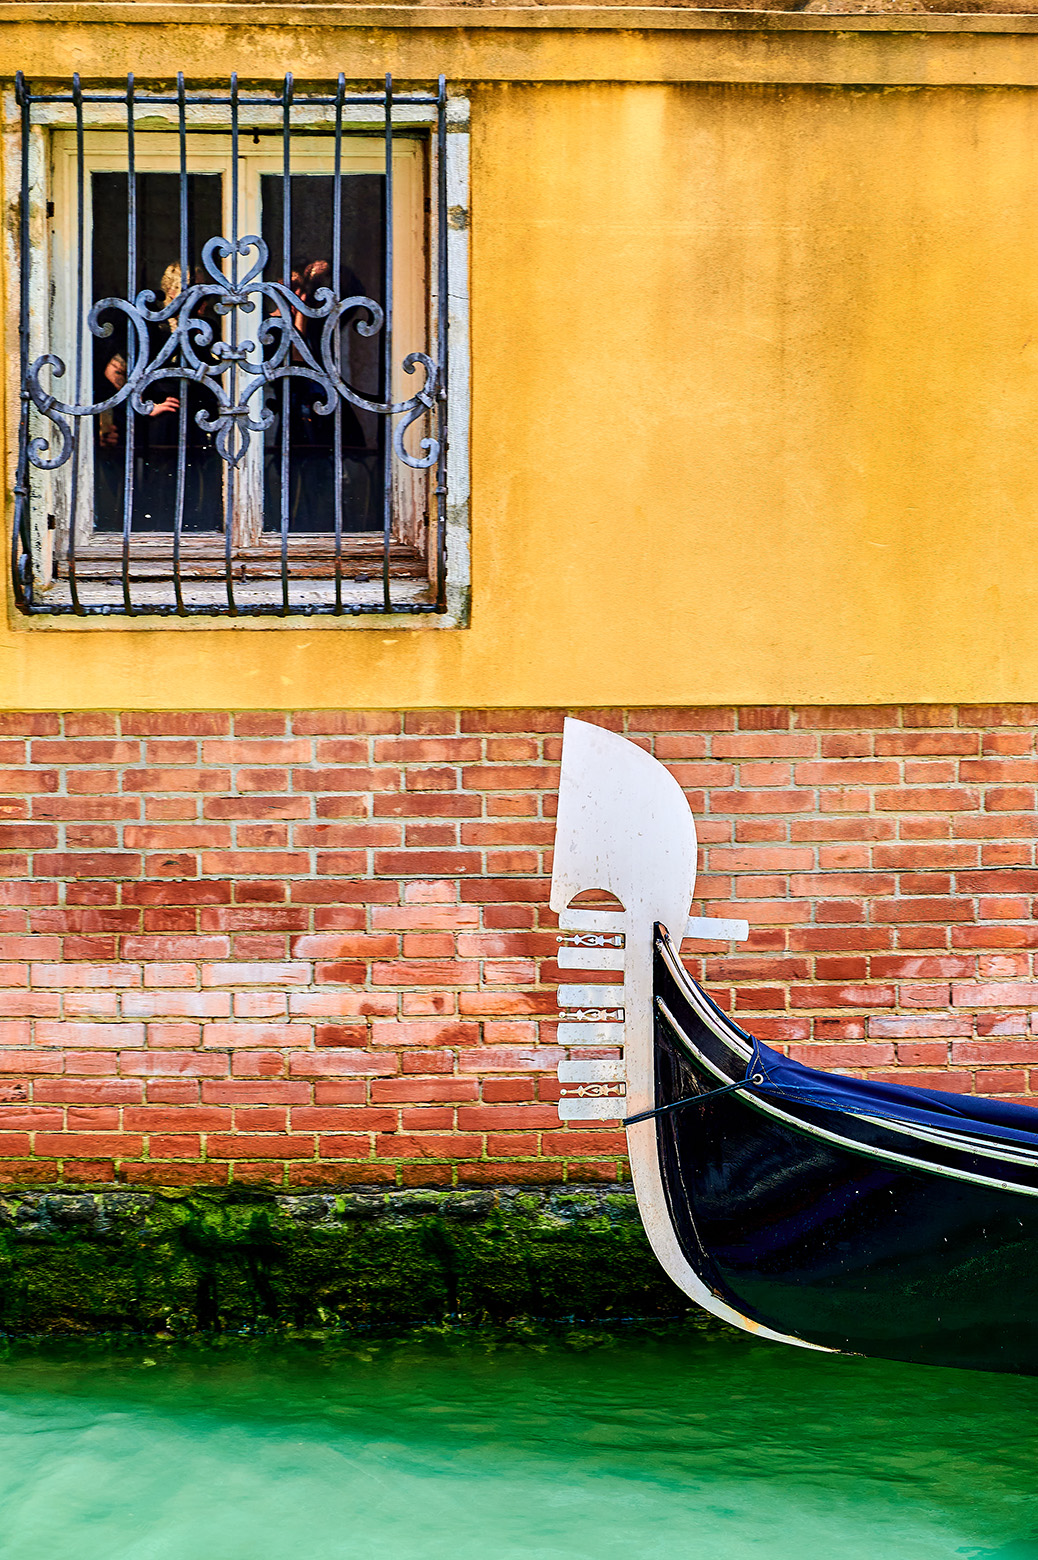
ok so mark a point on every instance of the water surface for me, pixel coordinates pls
(447, 1447)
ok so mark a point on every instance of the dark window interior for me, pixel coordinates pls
(311, 481)
(310, 487)
(155, 437)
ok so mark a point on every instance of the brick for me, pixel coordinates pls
(906, 1026)
(344, 1146)
(17, 724)
(427, 1062)
(256, 1145)
(66, 1034)
(70, 864)
(778, 801)
(988, 1053)
(506, 1058)
(857, 771)
(27, 782)
(864, 1055)
(176, 1119)
(1003, 1082)
(85, 752)
(338, 1035)
(70, 974)
(267, 1091)
(994, 994)
(344, 1063)
(179, 1146)
(176, 779)
(922, 1053)
(169, 723)
(343, 1118)
(914, 910)
(87, 1145)
(30, 1062)
(339, 1091)
(507, 1117)
(344, 777)
(256, 974)
(998, 715)
(176, 1004)
(165, 1174)
(928, 743)
(233, 1036)
(426, 972)
(430, 1145)
(409, 1091)
(173, 1064)
(309, 723)
(857, 717)
(255, 752)
(432, 723)
(85, 1091)
(821, 996)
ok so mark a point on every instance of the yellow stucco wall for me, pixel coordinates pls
(755, 409)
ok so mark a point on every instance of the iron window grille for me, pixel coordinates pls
(231, 511)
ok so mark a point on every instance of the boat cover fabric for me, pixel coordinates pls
(998, 1120)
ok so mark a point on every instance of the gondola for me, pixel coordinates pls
(836, 1213)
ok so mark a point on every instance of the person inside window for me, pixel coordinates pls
(312, 433)
(111, 451)
(156, 441)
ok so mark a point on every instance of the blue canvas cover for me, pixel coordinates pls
(998, 1120)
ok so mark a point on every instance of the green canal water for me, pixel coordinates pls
(446, 1447)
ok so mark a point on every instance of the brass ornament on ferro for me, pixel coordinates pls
(591, 1015)
(598, 1091)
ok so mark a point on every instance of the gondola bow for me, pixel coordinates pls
(830, 1212)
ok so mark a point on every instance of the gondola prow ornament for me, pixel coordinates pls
(830, 1212)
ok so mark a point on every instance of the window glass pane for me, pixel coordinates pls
(155, 436)
(311, 486)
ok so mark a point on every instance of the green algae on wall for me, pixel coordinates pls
(185, 1261)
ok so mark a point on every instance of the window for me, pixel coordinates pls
(234, 317)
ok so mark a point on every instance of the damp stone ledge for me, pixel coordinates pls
(192, 1261)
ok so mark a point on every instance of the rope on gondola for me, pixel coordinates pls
(693, 1099)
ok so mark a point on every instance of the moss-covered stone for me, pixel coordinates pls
(186, 1261)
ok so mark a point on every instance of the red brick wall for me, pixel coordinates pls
(315, 949)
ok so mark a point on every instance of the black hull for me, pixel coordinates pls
(840, 1243)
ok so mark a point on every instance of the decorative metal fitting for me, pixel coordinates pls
(191, 353)
(591, 1015)
(596, 1091)
(591, 939)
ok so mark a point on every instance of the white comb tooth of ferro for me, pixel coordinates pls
(595, 1088)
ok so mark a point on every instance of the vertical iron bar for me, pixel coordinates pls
(131, 339)
(77, 98)
(337, 284)
(387, 301)
(286, 251)
(21, 533)
(234, 433)
(178, 357)
(442, 317)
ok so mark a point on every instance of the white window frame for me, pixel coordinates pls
(51, 329)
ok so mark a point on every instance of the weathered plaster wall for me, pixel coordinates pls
(754, 374)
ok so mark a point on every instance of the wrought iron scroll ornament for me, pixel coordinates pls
(237, 374)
